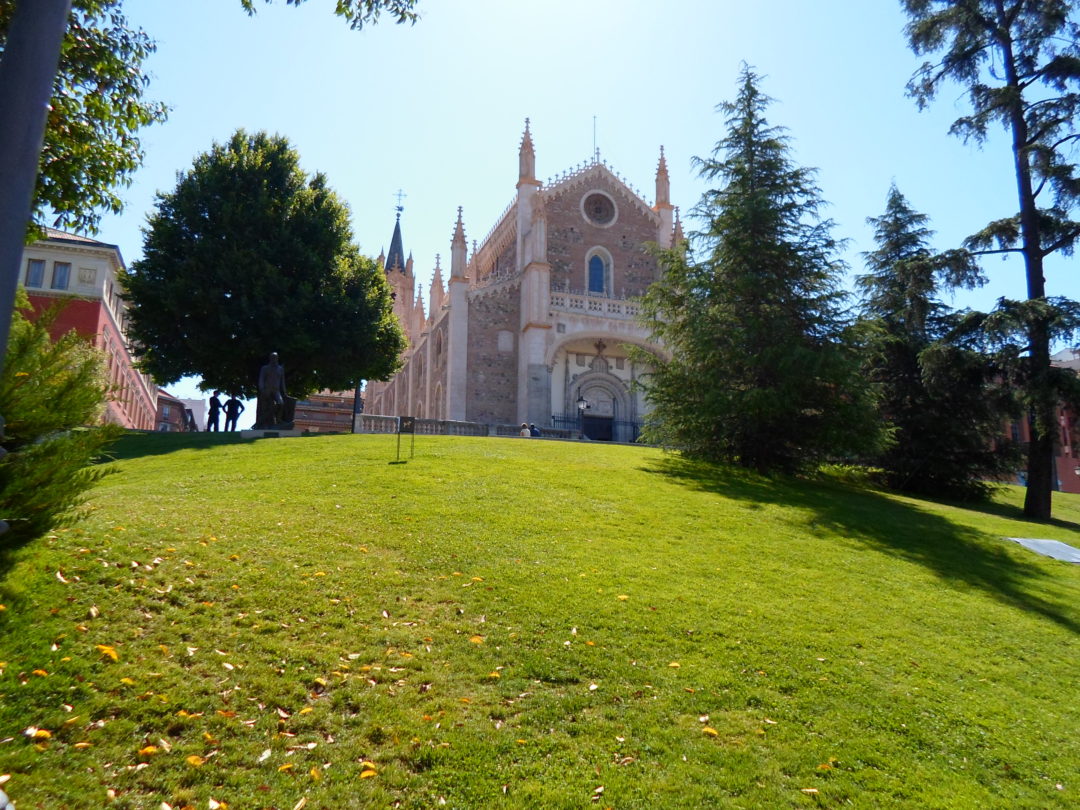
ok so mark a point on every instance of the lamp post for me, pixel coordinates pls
(582, 406)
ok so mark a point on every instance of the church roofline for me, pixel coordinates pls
(579, 175)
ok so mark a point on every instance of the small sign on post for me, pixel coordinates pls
(406, 424)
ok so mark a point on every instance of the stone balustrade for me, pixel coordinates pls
(619, 308)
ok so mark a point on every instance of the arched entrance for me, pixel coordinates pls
(601, 399)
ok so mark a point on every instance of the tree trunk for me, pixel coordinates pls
(27, 72)
(1040, 481)
(1040, 470)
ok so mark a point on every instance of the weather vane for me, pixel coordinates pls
(401, 195)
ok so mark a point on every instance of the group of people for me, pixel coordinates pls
(233, 407)
(529, 430)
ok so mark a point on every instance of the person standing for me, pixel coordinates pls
(233, 408)
(215, 412)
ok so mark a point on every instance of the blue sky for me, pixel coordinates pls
(437, 109)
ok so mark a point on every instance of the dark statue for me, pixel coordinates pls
(274, 409)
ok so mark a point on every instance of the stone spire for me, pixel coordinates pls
(527, 159)
(458, 249)
(437, 292)
(395, 259)
(409, 264)
(678, 238)
(663, 182)
(663, 207)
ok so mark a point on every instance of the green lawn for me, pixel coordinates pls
(521, 623)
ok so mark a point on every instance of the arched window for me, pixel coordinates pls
(596, 275)
(598, 272)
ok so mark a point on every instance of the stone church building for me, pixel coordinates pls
(533, 325)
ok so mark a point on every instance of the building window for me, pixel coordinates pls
(598, 272)
(35, 273)
(61, 274)
(599, 209)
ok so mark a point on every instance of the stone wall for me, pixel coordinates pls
(492, 366)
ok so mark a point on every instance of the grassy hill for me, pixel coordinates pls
(518, 623)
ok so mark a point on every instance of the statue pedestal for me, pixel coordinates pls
(270, 433)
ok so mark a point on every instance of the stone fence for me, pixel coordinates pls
(370, 423)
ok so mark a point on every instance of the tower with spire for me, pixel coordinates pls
(535, 324)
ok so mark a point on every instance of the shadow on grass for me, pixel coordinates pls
(953, 552)
(136, 444)
(1009, 511)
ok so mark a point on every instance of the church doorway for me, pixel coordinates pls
(598, 428)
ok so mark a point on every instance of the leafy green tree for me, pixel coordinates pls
(761, 373)
(91, 142)
(358, 12)
(248, 255)
(51, 390)
(945, 400)
(33, 34)
(1020, 63)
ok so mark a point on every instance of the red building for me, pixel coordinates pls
(82, 276)
(174, 415)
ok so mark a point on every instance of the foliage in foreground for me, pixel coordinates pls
(95, 113)
(360, 12)
(762, 373)
(248, 255)
(49, 392)
(945, 400)
(578, 621)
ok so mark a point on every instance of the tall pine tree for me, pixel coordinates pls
(1019, 61)
(944, 400)
(760, 373)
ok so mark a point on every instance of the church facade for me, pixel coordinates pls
(534, 324)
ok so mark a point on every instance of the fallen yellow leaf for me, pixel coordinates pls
(195, 761)
(315, 774)
(288, 766)
(42, 734)
(368, 774)
(712, 732)
(127, 681)
(810, 791)
(148, 751)
(306, 710)
(83, 745)
(622, 597)
(40, 673)
(477, 639)
(108, 652)
(674, 665)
